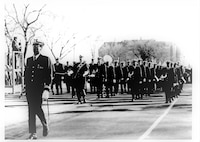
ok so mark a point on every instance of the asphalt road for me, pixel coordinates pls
(115, 118)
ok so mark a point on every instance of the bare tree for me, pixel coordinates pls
(8, 39)
(64, 48)
(148, 50)
(26, 22)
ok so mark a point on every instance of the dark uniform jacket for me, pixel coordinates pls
(110, 73)
(38, 73)
(125, 72)
(79, 70)
(143, 69)
(100, 71)
(148, 74)
(138, 74)
(67, 78)
(118, 72)
(58, 72)
(92, 68)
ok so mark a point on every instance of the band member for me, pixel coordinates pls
(38, 75)
(144, 78)
(67, 76)
(92, 69)
(117, 76)
(158, 74)
(73, 79)
(81, 71)
(124, 78)
(58, 76)
(138, 79)
(99, 77)
(148, 81)
(153, 78)
(109, 79)
(167, 78)
(132, 74)
(128, 79)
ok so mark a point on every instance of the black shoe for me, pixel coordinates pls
(45, 130)
(33, 136)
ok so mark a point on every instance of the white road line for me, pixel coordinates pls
(157, 121)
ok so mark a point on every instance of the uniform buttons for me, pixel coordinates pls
(32, 75)
(32, 80)
(32, 71)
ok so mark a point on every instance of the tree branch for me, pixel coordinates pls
(39, 12)
(16, 14)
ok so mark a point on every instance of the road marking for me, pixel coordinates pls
(157, 121)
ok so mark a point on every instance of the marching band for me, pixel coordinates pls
(107, 78)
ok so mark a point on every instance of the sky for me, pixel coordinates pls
(175, 21)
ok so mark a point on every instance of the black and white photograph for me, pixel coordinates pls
(96, 70)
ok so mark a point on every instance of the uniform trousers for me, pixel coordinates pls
(116, 86)
(34, 99)
(99, 84)
(109, 87)
(79, 85)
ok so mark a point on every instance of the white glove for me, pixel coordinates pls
(45, 95)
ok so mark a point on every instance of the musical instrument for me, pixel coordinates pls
(107, 58)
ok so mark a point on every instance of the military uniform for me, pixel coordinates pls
(153, 78)
(58, 77)
(143, 81)
(148, 81)
(67, 77)
(99, 77)
(117, 76)
(79, 80)
(132, 76)
(92, 70)
(109, 80)
(124, 79)
(38, 75)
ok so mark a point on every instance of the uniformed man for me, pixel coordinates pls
(73, 79)
(158, 74)
(92, 70)
(149, 80)
(138, 79)
(153, 78)
(81, 71)
(124, 78)
(99, 77)
(15, 44)
(58, 74)
(38, 75)
(167, 78)
(132, 76)
(67, 76)
(109, 77)
(128, 66)
(117, 76)
(144, 78)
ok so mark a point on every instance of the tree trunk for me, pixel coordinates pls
(25, 49)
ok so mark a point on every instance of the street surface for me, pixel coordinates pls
(115, 118)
